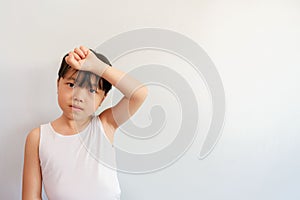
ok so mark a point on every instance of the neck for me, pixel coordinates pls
(72, 124)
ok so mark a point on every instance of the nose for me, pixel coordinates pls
(79, 94)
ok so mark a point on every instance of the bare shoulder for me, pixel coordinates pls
(32, 176)
(109, 129)
(33, 137)
(32, 144)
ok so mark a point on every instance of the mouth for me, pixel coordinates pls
(76, 108)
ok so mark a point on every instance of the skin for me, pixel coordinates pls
(74, 120)
(88, 99)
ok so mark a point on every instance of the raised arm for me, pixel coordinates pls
(134, 91)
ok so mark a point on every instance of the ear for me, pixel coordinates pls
(57, 84)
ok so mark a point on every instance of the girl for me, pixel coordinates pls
(54, 152)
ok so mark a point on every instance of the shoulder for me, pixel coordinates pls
(32, 176)
(109, 129)
(33, 138)
(108, 117)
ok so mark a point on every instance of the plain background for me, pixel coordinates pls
(255, 46)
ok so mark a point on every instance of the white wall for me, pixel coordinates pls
(253, 44)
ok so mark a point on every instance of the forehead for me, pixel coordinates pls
(82, 78)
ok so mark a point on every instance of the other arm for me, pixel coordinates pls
(32, 178)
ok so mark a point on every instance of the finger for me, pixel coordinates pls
(70, 59)
(76, 56)
(79, 52)
(85, 50)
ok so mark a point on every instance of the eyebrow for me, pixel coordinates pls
(72, 78)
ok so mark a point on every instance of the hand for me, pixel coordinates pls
(77, 57)
(84, 59)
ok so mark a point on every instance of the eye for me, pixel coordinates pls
(71, 85)
(93, 91)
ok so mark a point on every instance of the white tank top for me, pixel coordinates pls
(80, 166)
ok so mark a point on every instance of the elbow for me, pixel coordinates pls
(140, 94)
(143, 92)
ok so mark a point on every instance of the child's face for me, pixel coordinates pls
(78, 102)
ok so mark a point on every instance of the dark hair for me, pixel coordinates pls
(102, 83)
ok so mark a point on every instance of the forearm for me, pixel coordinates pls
(129, 86)
(134, 91)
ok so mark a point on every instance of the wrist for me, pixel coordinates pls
(98, 67)
(94, 64)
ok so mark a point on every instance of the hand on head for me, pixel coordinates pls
(77, 57)
(84, 59)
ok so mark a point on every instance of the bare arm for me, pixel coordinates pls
(32, 178)
(134, 95)
(134, 92)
